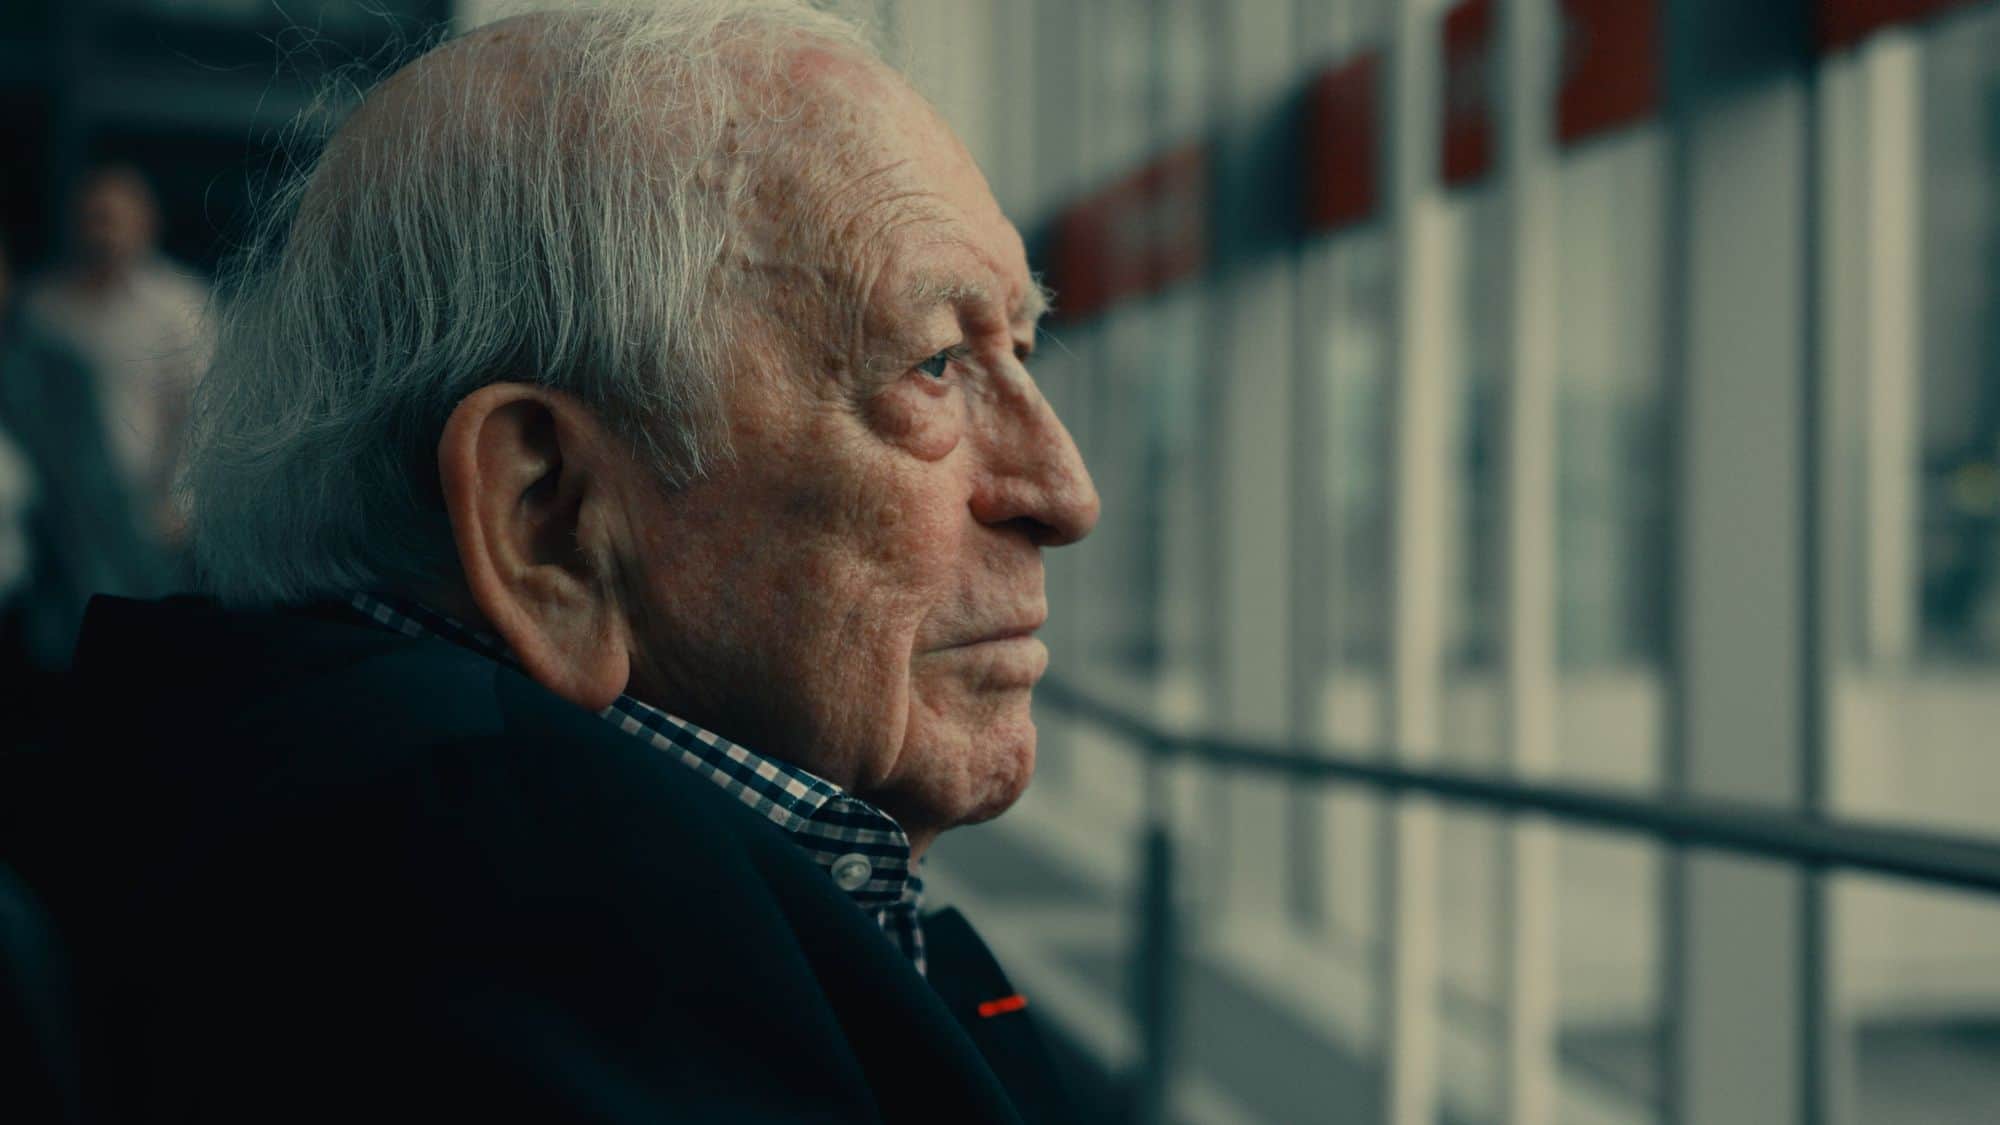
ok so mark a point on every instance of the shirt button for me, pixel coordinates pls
(851, 872)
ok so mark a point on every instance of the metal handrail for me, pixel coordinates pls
(1943, 859)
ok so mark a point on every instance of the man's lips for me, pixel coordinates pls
(1001, 660)
(1021, 631)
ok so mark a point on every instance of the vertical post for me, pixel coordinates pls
(1863, 382)
(1675, 268)
(1257, 680)
(1892, 237)
(1819, 1027)
(1418, 470)
(1528, 895)
(1314, 570)
(1740, 930)
(1159, 952)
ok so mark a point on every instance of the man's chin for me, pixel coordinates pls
(998, 761)
(1006, 777)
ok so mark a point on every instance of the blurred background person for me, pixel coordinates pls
(137, 318)
(69, 525)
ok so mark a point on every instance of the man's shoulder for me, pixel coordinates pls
(305, 719)
(498, 883)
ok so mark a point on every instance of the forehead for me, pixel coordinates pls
(905, 200)
(928, 286)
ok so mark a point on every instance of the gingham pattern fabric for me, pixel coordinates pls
(839, 831)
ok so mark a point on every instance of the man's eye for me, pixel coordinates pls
(939, 365)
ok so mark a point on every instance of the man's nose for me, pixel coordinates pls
(1034, 474)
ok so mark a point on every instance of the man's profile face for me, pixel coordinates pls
(856, 591)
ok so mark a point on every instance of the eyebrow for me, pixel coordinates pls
(930, 291)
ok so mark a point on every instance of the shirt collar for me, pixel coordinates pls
(860, 847)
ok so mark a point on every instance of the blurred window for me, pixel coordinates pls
(1473, 232)
(1349, 297)
(1959, 317)
(1121, 81)
(1149, 89)
(1186, 36)
(1613, 471)
(1471, 339)
(1913, 367)
(1913, 370)
(1354, 454)
(1919, 996)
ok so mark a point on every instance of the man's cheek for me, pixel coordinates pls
(926, 423)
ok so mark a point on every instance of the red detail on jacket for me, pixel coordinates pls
(1002, 1006)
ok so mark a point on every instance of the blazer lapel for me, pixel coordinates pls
(995, 1017)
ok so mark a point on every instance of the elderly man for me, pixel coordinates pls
(625, 496)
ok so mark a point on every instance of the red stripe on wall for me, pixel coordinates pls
(1611, 66)
(1343, 149)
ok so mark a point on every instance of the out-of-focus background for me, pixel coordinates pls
(1547, 447)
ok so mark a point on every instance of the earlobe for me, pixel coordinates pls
(522, 471)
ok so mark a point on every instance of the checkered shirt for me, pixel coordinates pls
(859, 846)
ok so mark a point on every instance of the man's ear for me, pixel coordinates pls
(527, 480)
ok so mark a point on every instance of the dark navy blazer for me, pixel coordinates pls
(310, 870)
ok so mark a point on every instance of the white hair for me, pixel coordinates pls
(568, 232)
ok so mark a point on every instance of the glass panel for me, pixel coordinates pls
(1354, 459)
(1148, 562)
(1119, 607)
(1179, 547)
(1121, 118)
(1471, 879)
(1338, 839)
(1919, 988)
(1917, 503)
(1612, 517)
(1063, 370)
(1471, 338)
(1914, 120)
(1609, 972)
(1959, 463)
(1187, 35)
(1280, 1025)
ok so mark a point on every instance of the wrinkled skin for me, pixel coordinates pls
(856, 590)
